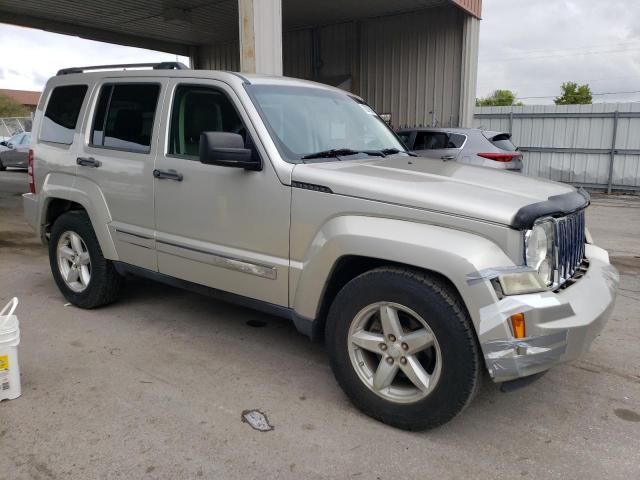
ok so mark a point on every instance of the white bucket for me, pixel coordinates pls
(9, 341)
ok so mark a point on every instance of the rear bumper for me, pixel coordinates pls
(31, 212)
(560, 326)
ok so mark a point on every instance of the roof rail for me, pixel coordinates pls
(155, 66)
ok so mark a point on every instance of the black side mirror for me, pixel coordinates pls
(3, 143)
(227, 149)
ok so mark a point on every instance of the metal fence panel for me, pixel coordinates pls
(593, 145)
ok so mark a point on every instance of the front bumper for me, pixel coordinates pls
(560, 325)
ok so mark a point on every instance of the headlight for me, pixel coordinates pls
(539, 249)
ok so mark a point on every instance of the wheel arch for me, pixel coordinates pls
(349, 246)
(61, 193)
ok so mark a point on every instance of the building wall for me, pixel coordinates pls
(409, 65)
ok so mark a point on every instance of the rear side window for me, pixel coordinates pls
(456, 140)
(124, 116)
(61, 114)
(503, 141)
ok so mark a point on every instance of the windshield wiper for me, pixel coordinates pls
(342, 152)
(393, 151)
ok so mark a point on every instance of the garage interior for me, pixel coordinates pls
(413, 59)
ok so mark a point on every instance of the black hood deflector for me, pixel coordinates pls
(556, 206)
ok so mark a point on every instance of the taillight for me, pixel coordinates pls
(32, 182)
(501, 157)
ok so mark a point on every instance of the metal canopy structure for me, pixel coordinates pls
(209, 31)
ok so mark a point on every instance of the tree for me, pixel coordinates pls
(499, 98)
(574, 94)
(10, 108)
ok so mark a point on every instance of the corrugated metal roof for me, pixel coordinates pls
(23, 97)
(211, 22)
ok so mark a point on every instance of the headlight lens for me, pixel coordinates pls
(539, 249)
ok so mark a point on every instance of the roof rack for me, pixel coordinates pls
(155, 66)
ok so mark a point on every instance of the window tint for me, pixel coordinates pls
(431, 141)
(124, 116)
(456, 140)
(199, 109)
(61, 115)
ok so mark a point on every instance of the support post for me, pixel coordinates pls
(260, 36)
(612, 153)
(469, 77)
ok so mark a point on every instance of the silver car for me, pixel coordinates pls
(483, 148)
(15, 151)
(296, 199)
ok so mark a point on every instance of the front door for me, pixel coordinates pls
(218, 226)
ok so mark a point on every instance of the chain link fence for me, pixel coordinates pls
(9, 126)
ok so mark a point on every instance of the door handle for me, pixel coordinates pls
(88, 162)
(167, 175)
(448, 157)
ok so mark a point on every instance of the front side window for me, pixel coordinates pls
(405, 136)
(198, 109)
(431, 141)
(304, 120)
(124, 116)
(62, 112)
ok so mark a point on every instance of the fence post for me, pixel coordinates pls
(511, 121)
(612, 153)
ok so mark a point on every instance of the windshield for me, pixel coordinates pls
(306, 120)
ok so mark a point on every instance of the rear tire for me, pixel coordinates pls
(83, 275)
(420, 394)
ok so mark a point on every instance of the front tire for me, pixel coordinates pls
(83, 275)
(402, 348)
(2, 167)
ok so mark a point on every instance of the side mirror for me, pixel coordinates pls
(227, 150)
(3, 143)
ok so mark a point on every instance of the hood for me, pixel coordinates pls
(483, 193)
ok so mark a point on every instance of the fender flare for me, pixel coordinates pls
(451, 253)
(86, 193)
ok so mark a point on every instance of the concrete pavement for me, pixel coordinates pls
(154, 388)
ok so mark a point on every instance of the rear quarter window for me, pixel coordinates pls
(62, 112)
(503, 142)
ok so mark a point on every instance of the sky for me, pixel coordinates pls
(529, 47)
(29, 57)
(532, 46)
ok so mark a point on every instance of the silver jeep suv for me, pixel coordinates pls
(296, 199)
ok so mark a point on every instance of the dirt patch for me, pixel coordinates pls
(627, 264)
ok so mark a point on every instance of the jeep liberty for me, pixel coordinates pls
(295, 198)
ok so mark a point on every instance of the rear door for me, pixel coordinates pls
(118, 157)
(440, 145)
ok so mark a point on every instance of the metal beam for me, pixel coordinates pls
(92, 33)
(559, 115)
(598, 151)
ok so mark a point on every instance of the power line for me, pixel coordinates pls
(603, 93)
(584, 47)
(515, 59)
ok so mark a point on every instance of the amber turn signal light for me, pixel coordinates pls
(518, 326)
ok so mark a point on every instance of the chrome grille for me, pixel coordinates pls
(569, 246)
